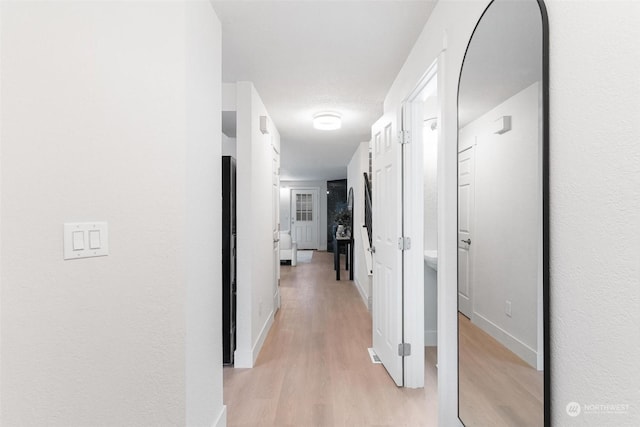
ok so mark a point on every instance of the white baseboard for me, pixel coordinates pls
(221, 421)
(276, 300)
(525, 352)
(262, 337)
(430, 338)
(365, 298)
(247, 359)
(242, 359)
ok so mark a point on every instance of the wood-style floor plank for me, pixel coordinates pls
(314, 369)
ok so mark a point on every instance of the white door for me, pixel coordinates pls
(304, 218)
(465, 226)
(275, 203)
(387, 258)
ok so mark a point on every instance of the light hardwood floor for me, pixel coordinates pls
(314, 369)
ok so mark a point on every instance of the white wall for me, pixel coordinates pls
(255, 300)
(507, 222)
(430, 152)
(1, 139)
(110, 111)
(204, 216)
(285, 207)
(430, 306)
(228, 146)
(358, 165)
(595, 266)
(229, 97)
(430, 187)
(595, 208)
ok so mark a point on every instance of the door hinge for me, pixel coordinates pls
(404, 349)
(404, 243)
(404, 137)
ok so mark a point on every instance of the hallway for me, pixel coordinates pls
(314, 368)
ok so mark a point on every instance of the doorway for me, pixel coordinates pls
(421, 117)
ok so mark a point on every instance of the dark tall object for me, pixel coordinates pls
(336, 202)
(228, 259)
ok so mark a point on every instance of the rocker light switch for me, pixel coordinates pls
(85, 240)
(78, 240)
(94, 239)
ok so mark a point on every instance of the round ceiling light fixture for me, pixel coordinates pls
(327, 120)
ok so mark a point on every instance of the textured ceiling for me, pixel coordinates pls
(309, 56)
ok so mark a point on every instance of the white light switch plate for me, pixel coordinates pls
(87, 251)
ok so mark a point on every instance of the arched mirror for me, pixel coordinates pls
(503, 352)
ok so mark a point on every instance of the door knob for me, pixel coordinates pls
(468, 241)
(372, 250)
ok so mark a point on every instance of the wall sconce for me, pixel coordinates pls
(264, 125)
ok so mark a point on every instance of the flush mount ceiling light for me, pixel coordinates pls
(327, 120)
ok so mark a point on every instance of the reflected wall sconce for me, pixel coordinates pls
(502, 125)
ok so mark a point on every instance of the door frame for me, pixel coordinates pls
(316, 210)
(275, 164)
(413, 220)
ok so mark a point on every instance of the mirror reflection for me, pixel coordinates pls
(500, 219)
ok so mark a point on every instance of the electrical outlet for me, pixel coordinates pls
(507, 308)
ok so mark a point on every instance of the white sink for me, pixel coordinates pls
(431, 258)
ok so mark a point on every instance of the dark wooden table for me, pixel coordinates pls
(339, 242)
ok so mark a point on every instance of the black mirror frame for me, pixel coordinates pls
(545, 205)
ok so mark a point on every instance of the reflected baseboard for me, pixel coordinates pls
(512, 343)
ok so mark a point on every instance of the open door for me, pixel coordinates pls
(387, 255)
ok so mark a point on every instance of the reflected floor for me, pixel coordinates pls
(497, 388)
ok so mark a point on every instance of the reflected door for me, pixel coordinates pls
(304, 218)
(465, 223)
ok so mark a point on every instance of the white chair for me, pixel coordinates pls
(288, 248)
